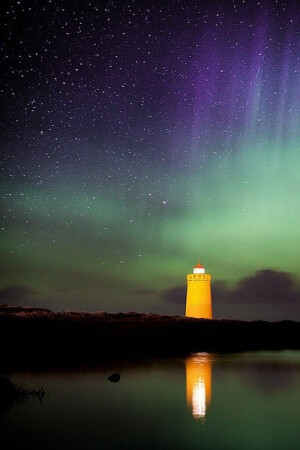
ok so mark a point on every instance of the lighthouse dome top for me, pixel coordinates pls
(199, 269)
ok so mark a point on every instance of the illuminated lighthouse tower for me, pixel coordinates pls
(198, 296)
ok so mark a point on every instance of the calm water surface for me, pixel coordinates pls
(240, 401)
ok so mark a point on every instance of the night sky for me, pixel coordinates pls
(137, 137)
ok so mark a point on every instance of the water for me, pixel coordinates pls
(240, 401)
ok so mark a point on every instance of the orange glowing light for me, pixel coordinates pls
(198, 384)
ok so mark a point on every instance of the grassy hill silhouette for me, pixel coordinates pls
(40, 336)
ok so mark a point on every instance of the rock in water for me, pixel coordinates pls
(114, 377)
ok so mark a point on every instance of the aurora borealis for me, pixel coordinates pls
(137, 137)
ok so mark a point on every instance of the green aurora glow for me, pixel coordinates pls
(89, 252)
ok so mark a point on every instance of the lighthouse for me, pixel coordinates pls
(198, 296)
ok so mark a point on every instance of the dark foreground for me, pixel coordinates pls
(32, 336)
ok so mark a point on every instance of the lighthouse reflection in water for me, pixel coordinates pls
(198, 384)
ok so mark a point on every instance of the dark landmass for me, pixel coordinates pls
(33, 336)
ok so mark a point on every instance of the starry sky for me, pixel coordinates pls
(138, 137)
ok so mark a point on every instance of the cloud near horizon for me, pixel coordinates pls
(266, 286)
(174, 295)
(12, 294)
(268, 294)
(143, 291)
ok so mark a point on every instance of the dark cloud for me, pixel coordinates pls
(13, 294)
(265, 294)
(175, 295)
(264, 287)
(268, 295)
(221, 291)
(143, 291)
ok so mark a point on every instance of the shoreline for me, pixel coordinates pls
(37, 337)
